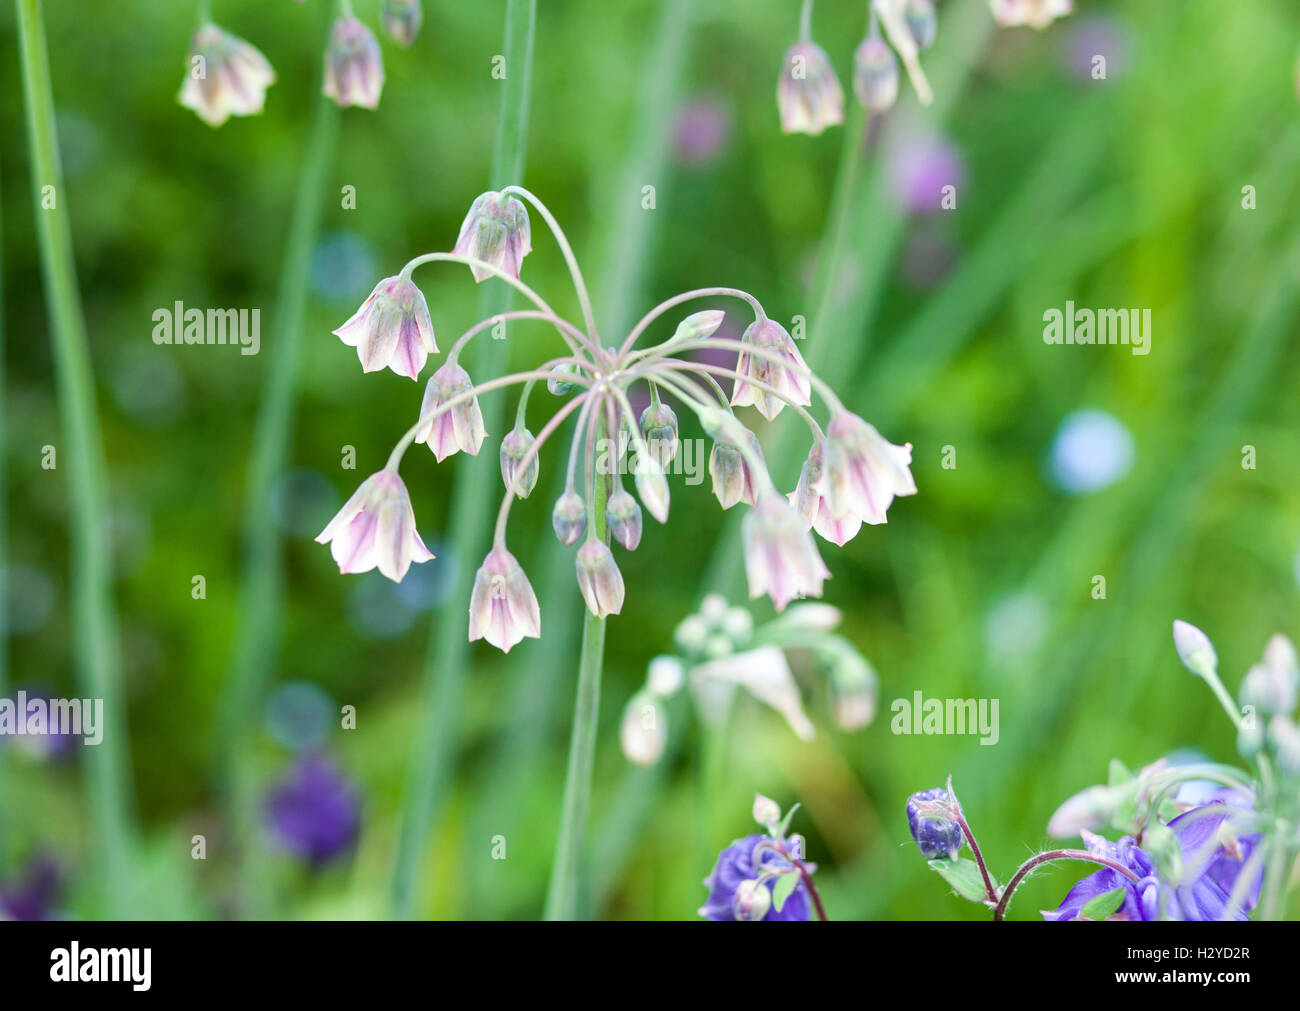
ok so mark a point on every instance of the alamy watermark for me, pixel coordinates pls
(39, 716)
(1100, 326)
(178, 325)
(919, 715)
(690, 459)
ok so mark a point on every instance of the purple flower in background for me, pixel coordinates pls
(1097, 36)
(701, 131)
(315, 812)
(1141, 900)
(33, 894)
(920, 166)
(733, 872)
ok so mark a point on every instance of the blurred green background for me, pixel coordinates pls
(1122, 192)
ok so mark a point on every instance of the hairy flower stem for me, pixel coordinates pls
(812, 890)
(1000, 910)
(436, 734)
(262, 575)
(94, 616)
(564, 895)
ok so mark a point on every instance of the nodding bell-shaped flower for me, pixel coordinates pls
(503, 608)
(921, 21)
(392, 329)
(936, 838)
(781, 558)
(875, 75)
(514, 447)
(354, 67)
(808, 93)
(599, 579)
(659, 429)
(652, 486)
(495, 231)
(1034, 13)
(457, 428)
(227, 77)
(810, 503)
(786, 373)
(376, 529)
(569, 518)
(624, 518)
(733, 479)
(864, 471)
(401, 19)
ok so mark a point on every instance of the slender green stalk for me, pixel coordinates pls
(261, 584)
(96, 647)
(437, 733)
(4, 536)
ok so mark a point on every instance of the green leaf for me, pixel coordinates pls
(964, 876)
(783, 889)
(1103, 905)
(1119, 773)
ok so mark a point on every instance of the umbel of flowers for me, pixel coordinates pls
(1198, 841)
(851, 476)
(229, 77)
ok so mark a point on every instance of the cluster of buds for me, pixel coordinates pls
(720, 651)
(229, 77)
(763, 876)
(851, 477)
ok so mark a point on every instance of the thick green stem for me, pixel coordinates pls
(96, 647)
(261, 583)
(437, 726)
(4, 541)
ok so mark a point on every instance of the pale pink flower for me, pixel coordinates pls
(227, 77)
(354, 66)
(811, 506)
(623, 517)
(863, 470)
(781, 557)
(875, 74)
(569, 518)
(503, 608)
(808, 93)
(787, 373)
(392, 328)
(376, 529)
(733, 478)
(496, 231)
(458, 428)
(1034, 13)
(764, 673)
(515, 447)
(599, 579)
(402, 20)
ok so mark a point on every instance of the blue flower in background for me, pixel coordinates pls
(1091, 451)
(315, 812)
(32, 896)
(735, 866)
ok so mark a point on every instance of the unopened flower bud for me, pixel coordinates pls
(727, 469)
(665, 676)
(401, 20)
(1250, 739)
(921, 22)
(514, 447)
(354, 66)
(1284, 736)
(652, 486)
(752, 901)
(569, 518)
(698, 325)
(814, 617)
(717, 646)
(1088, 809)
(643, 731)
(691, 635)
(659, 429)
(1194, 649)
(623, 516)
(937, 838)
(738, 624)
(713, 608)
(1271, 686)
(599, 579)
(767, 813)
(496, 231)
(557, 382)
(875, 75)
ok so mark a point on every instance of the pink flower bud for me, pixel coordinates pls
(227, 76)
(392, 329)
(786, 373)
(875, 75)
(402, 20)
(863, 471)
(354, 67)
(376, 529)
(459, 427)
(808, 93)
(495, 231)
(503, 608)
(569, 518)
(1195, 649)
(781, 558)
(698, 325)
(624, 518)
(514, 447)
(652, 486)
(599, 579)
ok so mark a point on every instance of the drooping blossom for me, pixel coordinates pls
(516, 448)
(496, 231)
(810, 503)
(503, 607)
(734, 872)
(354, 66)
(781, 559)
(599, 579)
(875, 74)
(376, 529)
(314, 812)
(734, 480)
(623, 516)
(808, 93)
(863, 472)
(401, 20)
(459, 428)
(391, 329)
(774, 361)
(227, 76)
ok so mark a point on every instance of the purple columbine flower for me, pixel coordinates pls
(936, 838)
(32, 895)
(314, 812)
(735, 868)
(1141, 900)
(1212, 859)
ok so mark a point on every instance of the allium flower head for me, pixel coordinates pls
(314, 812)
(503, 607)
(936, 838)
(777, 364)
(376, 529)
(227, 76)
(808, 93)
(875, 75)
(514, 450)
(1034, 13)
(392, 329)
(495, 231)
(733, 885)
(401, 19)
(781, 559)
(863, 471)
(354, 67)
(599, 579)
(458, 428)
